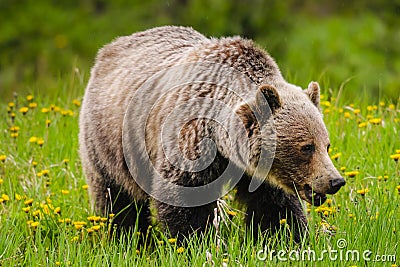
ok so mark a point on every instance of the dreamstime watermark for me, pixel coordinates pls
(199, 101)
(340, 253)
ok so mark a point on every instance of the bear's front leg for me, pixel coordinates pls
(267, 205)
(181, 222)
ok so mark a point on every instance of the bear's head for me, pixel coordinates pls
(301, 163)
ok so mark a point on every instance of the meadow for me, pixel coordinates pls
(46, 218)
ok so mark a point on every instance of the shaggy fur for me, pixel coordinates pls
(301, 166)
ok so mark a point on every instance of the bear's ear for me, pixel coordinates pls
(313, 93)
(267, 94)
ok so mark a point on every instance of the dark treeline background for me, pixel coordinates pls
(47, 46)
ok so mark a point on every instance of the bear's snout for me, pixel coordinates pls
(335, 185)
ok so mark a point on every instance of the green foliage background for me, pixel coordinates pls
(354, 42)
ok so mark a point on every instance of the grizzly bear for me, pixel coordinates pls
(172, 119)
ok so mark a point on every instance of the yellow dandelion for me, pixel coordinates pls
(356, 111)
(85, 187)
(375, 121)
(111, 215)
(15, 129)
(398, 188)
(347, 115)
(325, 103)
(336, 156)
(57, 210)
(172, 240)
(5, 197)
(34, 224)
(351, 215)
(352, 173)
(385, 177)
(396, 157)
(137, 252)
(24, 110)
(45, 110)
(14, 135)
(90, 230)
(180, 250)
(94, 218)
(231, 212)
(64, 192)
(12, 115)
(96, 227)
(3, 158)
(65, 161)
(1, 181)
(48, 122)
(36, 213)
(33, 139)
(397, 151)
(58, 263)
(362, 124)
(382, 104)
(32, 105)
(362, 192)
(392, 107)
(28, 201)
(45, 172)
(40, 141)
(29, 97)
(282, 221)
(39, 174)
(76, 102)
(11, 104)
(75, 238)
(343, 168)
(66, 220)
(103, 219)
(34, 163)
(26, 209)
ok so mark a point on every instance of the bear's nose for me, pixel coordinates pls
(336, 184)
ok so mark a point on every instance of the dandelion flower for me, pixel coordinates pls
(180, 250)
(172, 240)
(11, 104)
(336, 156)
(362, 124)
(5, 197)
(32, 105)
(94, 218)
(28, 201)
(375, 121)
(96, 227)
(3, 158)
(76, 102)
(34, 224)
(24, 110)
(40, 141)
(33, 139)
(29, 97)
(64, 192)
(1, 181)
(398, 188)
(347, 115)
(351, 173)
(392, 107)
(362, 192)
(26, 209)
(282, 221)
(48, 122)
(85, 187)
(57, 210)
(231, 212)
(45, 110)
(356, 111)
(14, 135)
(396, 157)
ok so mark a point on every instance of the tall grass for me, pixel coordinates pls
(46, 219)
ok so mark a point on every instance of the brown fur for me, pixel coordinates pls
(124, 65)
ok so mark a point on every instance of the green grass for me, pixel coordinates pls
(55, 229)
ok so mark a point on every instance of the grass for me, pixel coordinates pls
(46, 219)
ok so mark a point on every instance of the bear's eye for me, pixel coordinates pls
(327, 147)
(308, 149)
